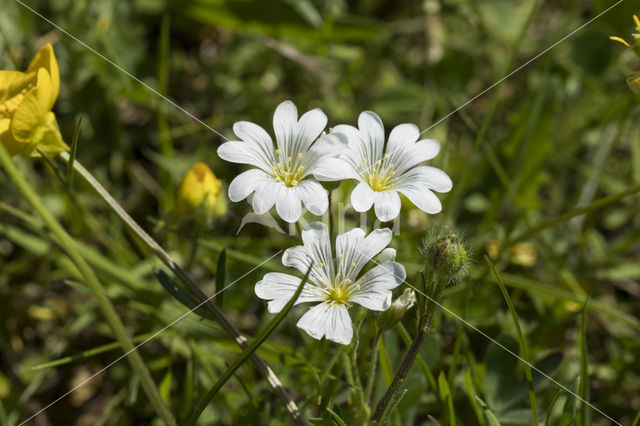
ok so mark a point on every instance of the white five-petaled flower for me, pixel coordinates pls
(383, 171)
(283, 173)
(336, 283)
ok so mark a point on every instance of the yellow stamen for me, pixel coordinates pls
(619, 40)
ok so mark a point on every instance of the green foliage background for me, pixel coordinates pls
(562, 132)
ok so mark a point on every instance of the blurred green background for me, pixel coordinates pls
(561, 133)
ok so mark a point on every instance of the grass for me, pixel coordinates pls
(546, 173)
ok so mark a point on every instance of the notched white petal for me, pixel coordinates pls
(328, 320)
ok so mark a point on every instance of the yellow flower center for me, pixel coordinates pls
(342, 292)
(288, 170)
(380, 175)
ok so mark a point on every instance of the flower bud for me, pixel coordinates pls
(386, 255)
(389, 318)
(199, 194)
(446, 257)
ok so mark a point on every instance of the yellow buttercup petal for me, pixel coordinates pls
(47, 137)
(46, 58)
(5, 123)
(12, 83)
(32, 110)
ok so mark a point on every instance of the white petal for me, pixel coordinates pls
(311, 124)
(387, 205)
(265, 196)
(316, 250)
(353, 250)
(248, 131)
(331, 144)
(244, 153)
(328, 320)
(314, 196)
(245, 183)
(362, 197)
(375, 289)
(416, 153)
(347, 131)
(332, 169)
(428, 176)
(278, 288)
(288, 204)
(317, 241)
(285, 120)
(402, 135)
(426, 149)
(371, 127)
(423, 199)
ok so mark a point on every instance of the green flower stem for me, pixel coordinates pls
(69, 246)
(410, 357)
(373, 365)
(224, 322)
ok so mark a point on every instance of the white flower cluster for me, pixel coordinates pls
(287, 175)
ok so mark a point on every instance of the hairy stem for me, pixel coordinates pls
(412, 353)
(107, 308)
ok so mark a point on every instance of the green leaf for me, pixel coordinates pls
(471, 393)
(446, 398)
(72, 154)
(221, 272)
(165, 386)
(257, 341)
(489, 417)
(503, 386)
(524, 351)
(276, 19)
(181, 295)
(584, 370)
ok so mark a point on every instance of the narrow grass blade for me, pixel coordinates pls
(247, 352)
(385, 362)
(471, 393)
(583, 387)
(598, 204)
(221, 272)
(491, 418)
(335, 417)
(547, 420)
(446, 398)
(54, 168)
(636, 421)
(91, 352)
(181, 295)
(72, 154)
(524, 352)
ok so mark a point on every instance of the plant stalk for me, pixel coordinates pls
(412, 353)
(107, 308)
(224, 322)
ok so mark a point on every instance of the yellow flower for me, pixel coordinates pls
(26, 99)
(636, 38)
(200, 192)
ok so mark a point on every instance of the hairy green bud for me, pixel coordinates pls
(445, 255)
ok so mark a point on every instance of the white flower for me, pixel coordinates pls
(283, 174)
(383, 171)
(337, 284)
